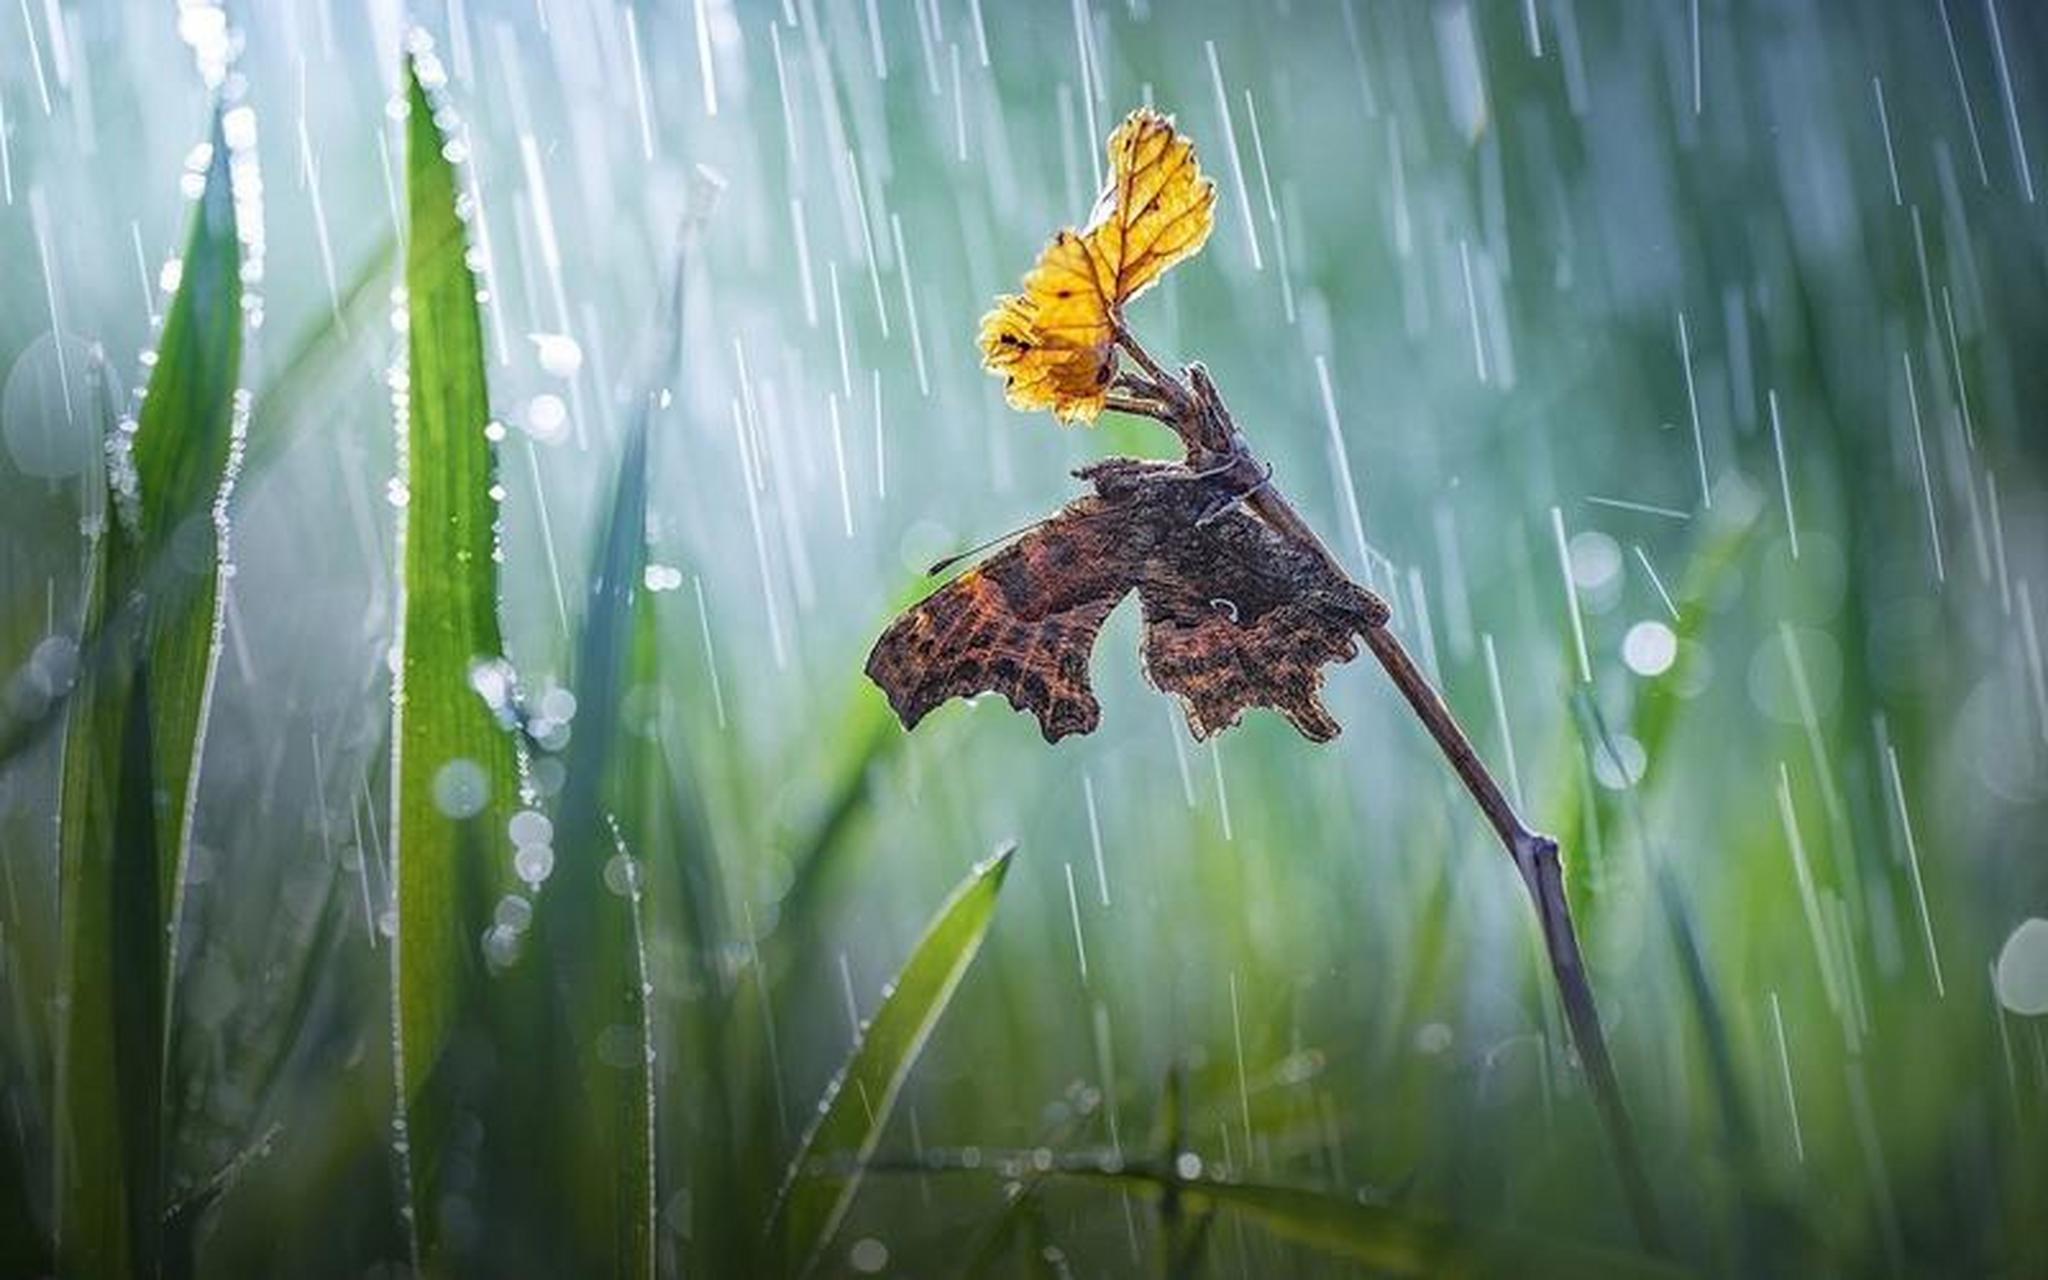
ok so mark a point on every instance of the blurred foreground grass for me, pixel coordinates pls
(1726, 312)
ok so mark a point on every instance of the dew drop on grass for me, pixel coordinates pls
(558, 704)
(238, 126)
(548, 775)
(2022, 973)
(513, 912)
(550, 733)
(493, 680)
(54, 665)
(530, 826)
(534, 863)
(501, 946)
(461, 788)
(619, 874)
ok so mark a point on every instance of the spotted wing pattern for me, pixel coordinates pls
(1235, 614)
(1022, 624)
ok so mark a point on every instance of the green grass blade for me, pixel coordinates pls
(1387, 1239)
(184, 446)
(455, 775)
(592, 932)
(279, 411)
(858, 1103)
(866, 735)
(131, 758)
(110, 1160)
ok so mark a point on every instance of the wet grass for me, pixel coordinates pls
(1312, 1036)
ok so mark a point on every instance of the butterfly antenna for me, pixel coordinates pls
(943, 565)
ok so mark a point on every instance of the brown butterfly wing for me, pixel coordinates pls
(1022, 623)
(1236, 615)
(1218, 667)
(1239, 616)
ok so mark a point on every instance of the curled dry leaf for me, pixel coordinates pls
(1054, 343)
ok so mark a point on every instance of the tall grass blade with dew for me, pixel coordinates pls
(857, 1104)
(132, 754)
(455, 774)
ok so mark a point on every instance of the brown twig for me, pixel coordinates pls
(1200, 419)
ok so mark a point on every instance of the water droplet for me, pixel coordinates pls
(559, 353)
(558, 704)
(493, 680)
(2022, 975)
(534, 863)
(530, 826)
(1596, 558)
(547, 418)
(1649, 648)
(1618, 761)
(54, 665)
(513, 912)
(868, 1255)
(45, 410)
(238, 126)
(619, 875)
(461, 788)
(501, 946)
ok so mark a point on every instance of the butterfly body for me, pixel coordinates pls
(1235, 613)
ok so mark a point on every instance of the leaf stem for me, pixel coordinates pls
(1535, 855)
(1142, 406)
(1168, 387)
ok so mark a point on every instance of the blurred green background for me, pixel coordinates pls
(1720, 319)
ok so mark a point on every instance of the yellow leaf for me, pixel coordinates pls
(1054, 342)
(1157, 209)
